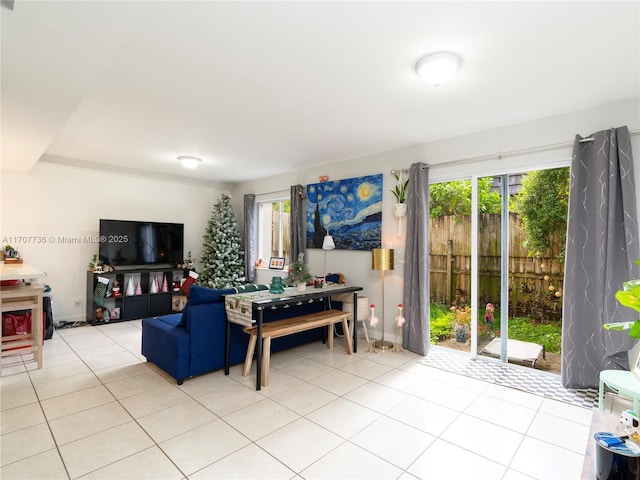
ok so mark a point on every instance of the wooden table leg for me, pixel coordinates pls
(347, 339)
(249, 358)
(266, 361)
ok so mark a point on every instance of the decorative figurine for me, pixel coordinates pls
(115, 288)
(400, 320)
(629, 419)
(373, 321)
(153, 288)
(276, 285)
(130, 289)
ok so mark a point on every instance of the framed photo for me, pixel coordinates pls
(115, 313)
(276, 263)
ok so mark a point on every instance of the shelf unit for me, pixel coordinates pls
(119, 306)
(26, 295)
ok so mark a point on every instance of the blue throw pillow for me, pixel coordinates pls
(199, 296)
(334, 278)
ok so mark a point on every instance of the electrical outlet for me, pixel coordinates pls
(77, 303)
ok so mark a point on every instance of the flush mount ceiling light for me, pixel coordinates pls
(189, 162)
(437, 68)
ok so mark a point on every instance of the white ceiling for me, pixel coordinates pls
(260, 88)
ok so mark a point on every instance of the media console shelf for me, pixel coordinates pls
(119, 306)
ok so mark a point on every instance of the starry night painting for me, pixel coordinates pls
(350, 210)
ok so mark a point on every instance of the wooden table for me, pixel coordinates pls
(258, 302)
(26, 295)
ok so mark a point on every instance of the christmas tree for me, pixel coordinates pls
(222, 262)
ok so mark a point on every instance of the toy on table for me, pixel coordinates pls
(629, 419)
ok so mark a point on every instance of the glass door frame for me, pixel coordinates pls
(504, 264)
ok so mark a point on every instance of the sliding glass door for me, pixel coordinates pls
(497, 258)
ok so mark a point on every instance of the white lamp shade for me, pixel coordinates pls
(327, 243)
(437, 68)
(189, 162)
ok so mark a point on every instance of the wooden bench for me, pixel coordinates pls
(289, 326)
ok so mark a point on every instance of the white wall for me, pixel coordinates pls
(356, 265)
(53, 201)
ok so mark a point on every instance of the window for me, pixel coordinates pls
(274, 220)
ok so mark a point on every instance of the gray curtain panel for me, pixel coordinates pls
(416, 336)
(298, 225)
(602, 245)
(250, 237)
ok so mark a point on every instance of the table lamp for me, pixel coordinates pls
(382, 259)
(327, 244)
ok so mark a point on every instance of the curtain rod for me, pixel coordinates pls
(405, 170)
(522, 151)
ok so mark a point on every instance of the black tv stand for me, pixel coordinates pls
(120, 306)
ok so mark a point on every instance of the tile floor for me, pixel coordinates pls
(97, 410)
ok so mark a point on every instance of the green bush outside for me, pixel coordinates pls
(441, 326)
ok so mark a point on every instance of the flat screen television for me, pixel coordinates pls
(131, 243)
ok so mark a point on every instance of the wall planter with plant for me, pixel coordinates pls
(400, 207)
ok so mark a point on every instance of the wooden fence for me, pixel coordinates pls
(529, 277)
(275, 233)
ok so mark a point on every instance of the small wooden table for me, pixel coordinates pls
(258, 302)
(26, 295)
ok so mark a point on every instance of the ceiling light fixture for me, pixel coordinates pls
(189, 162)
(437, 68)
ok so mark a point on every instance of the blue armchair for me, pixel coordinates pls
(192, 342)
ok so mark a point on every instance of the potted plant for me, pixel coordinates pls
(461, 322)
(400, 208)
(400, 192)
(299, 274)
(95, 265)
(629, 296)
(10, 255)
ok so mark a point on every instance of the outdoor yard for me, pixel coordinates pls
(449, 325)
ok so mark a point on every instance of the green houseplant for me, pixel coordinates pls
(629, 296)
(299, 272)
(400, 190)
